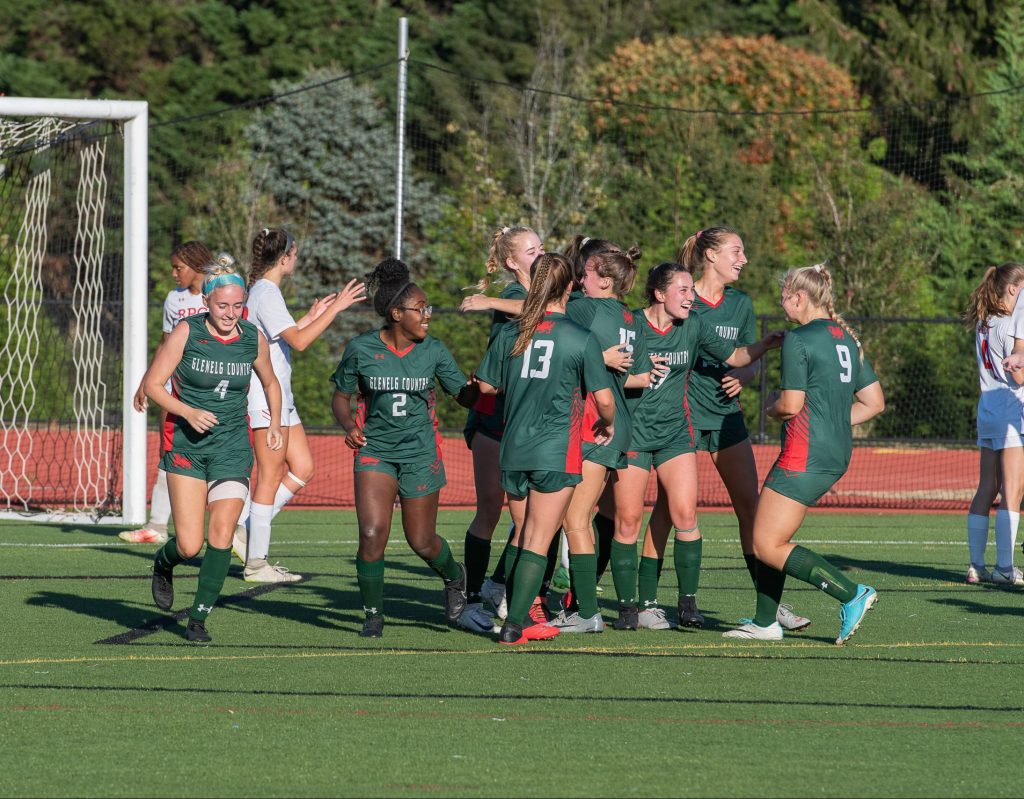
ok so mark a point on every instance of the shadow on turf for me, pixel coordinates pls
(910, 570)
(969, 606)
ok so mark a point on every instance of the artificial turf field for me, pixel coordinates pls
(100, 696)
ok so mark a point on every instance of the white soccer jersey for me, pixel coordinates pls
(181, 304)
(1001, 404)
(266, 309)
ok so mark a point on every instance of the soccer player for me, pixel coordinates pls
(188, 261)
(544, 363)
(716, 256)
(663, 438)
(827, 386)
(607, 277)
(282, 472)
(394, 434)
(512, 251)
(995, 314)
(209, 359)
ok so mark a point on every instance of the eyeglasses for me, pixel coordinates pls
(425, 310)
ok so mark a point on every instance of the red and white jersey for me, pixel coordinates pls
(180, 305)
(1001, 404)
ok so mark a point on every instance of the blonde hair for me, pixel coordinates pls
(619, 266)
(220, 272)
(503, 244)
(816, 282)
(693, 253)
(552, 275)
(987, 298)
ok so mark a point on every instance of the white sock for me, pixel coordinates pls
(259, 530)
(1006, 534)
(564, 550)
(160, 507)
(284, 494)
(243, 519)
(977, 537)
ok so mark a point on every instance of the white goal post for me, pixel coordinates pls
(135, 118)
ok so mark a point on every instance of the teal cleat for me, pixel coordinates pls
(852, 613)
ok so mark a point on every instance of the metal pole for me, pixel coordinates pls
(761, 433)
(403, 64)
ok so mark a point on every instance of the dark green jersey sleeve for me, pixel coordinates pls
(595, 373)
(794, 364)
(492, 367)
(709, 342)
(865, 376)
(346, 376)
(447, 370)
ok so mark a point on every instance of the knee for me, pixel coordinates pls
(188, 551)
(302, 473)
(627, 527)
(373, 538)
(426, 550)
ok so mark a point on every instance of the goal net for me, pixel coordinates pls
(65, 369)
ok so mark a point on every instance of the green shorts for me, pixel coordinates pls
(804, 487)
(231, 464)
(519, 484)
(606, 456)
(645, 460)
(415, 479)
(732, 432)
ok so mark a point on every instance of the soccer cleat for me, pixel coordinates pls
(495, 594)
(373, 626)
(539, 632)
(1011, 577)
(628, 618)
(653, 619)
(475, 619)
(751, 632)
(688, 614)
(789, 621)
(978, 574)
(145, 535)
(538, 613)
(560, 580)
(574, 623)
(240, 542)
(512, 634)
(852, 613)
(259, 571)
(455, 595)
(196, 632)
(163, 589)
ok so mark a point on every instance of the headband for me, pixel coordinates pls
(584, 242)
(397, 294)
(289, 239)
(699, 232)
(223, 279)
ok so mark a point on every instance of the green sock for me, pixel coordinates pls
(686, 556)
(211, 580)
(167, 557)
(500, 574)
(370, 576)
(584, 569)
(624, 571)
(752, 565)
(648, 582)
(604, 534)
(770, 583)
(478, 553)
(511, 555)
(812, 568)
(445, 565)
(525, 583)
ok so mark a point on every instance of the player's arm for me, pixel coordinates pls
(341, 404)
(165, 361)
(787, 404)
(867, 403)
(1016, 372)
(272, 388)
(744, 356)
(604, 427)
(139, 401)
(481, 302)
(734, 380)
(308, 329)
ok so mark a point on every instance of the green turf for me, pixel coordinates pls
(289, 701)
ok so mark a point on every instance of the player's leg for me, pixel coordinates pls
(271, 467)
(188, 503)
(1011, 466)
(375, 494)
(628, 487)
(978, 513)
(490, 499)
(677, 492)
(155, 530)
(300, 467)
(582, 554)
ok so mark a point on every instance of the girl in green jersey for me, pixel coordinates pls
(827, 387)
(209, 359)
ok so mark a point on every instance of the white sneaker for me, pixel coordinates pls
(1012, 577)
(789, 621)
(477, 620)
(495, 594)
(978, 574)
(240, 542)
(653, 619)
(146, 535)
(773, 632)
(575, 623)
(259, 571)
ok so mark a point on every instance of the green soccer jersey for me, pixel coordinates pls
(732, 317)
(661, 415)
(544, 388)
(494, 404)
(396, 395)
(214, 375)
(823, 361)
(612, 323)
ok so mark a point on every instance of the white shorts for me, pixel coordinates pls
(260, 420)
(1012, 438)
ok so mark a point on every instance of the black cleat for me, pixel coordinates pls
(628, 618)
(373, 627)
(196, 632)
(163, 589)
(511, 633)
(455, 595)
(689, 616)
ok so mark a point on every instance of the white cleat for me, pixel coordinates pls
(653, 619)
(789, 621)
(146, 535)
(978, 574)
(259, 571)
(751, 632)
(1011, 577)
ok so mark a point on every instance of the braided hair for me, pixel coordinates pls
(816, 282)
(388, 284)
(552, 274)
(267, 248)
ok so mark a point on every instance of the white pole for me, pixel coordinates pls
(136, 301)
(403, 64)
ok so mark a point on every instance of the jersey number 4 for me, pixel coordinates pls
(543, 350)
(221, 389)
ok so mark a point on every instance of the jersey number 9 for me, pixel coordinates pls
(845, 363)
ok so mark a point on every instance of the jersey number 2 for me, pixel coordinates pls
(398, 406)
(845, 363)
(543, 349)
